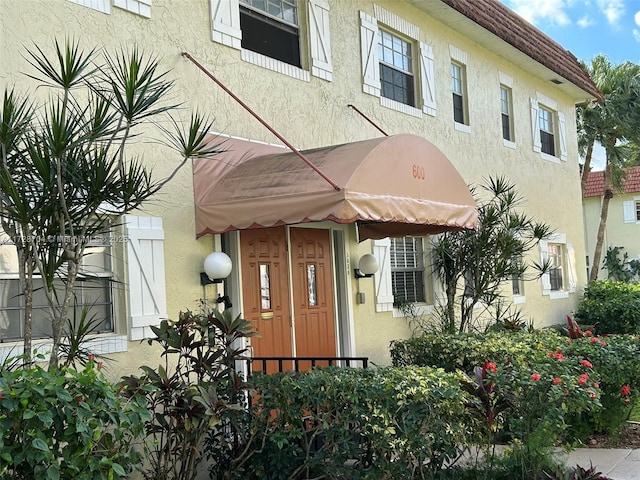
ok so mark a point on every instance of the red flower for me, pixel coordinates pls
(80, 399)
(92, 357)
(583, 379)
(100, 365)
(557, 355)
(593, 395)
(603, 343)
(491, 367)
(625, 390)
(596, 385)
(556, 381)
(594, 340)
(586, 363)
(588, 333)
(535, 377)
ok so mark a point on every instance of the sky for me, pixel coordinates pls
(587, 28)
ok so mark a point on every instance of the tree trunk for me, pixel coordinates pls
(606, 198)
(586, 168)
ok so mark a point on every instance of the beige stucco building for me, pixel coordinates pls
(491, 92)
(623, 219)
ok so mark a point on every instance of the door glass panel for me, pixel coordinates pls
(311, 282)
(265, 287)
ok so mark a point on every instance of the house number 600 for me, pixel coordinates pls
(418, 172)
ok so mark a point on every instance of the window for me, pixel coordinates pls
(407, 269)
(517, 283)
(103, 6)
(92, 290)
(556, 267)
(560, 279)
(548, 129)
(506, 113)
(274, 34)
(637, 211)
(270, 27)
(458, 88)
(396, 68)
(547, 135)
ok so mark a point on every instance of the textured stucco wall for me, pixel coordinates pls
(312, 114)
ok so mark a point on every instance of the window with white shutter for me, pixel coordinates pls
(549, 129)
(396, 66)
(273, 35)
(631, 211)
(146, 274)
(561, 277)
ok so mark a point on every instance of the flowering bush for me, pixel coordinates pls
(64, 424)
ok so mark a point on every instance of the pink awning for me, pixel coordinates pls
(392, 186)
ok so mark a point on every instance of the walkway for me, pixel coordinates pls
(614, 463)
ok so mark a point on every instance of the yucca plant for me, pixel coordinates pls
(66, 173)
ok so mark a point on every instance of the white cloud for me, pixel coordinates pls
(551, 10)
(585, 21)
(636, 17)
(612, 9)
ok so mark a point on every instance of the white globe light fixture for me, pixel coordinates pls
(367, 266)
(217, 266)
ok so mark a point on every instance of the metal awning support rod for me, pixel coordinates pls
(368, 120)
(267, 126)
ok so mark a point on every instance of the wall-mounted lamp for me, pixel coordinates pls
(217, 267)
(367, 266)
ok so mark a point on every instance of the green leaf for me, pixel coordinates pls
(117, 468)
(40, 444)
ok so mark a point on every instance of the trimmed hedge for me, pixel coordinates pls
(353, 423)
(612, 307)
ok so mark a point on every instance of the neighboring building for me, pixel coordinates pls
(623, 219)
(470, 79)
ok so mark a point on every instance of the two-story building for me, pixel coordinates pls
(464, 89)
(623, 219)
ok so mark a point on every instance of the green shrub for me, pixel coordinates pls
(65, 424)
(615, 363)
(612, 307)
(354, 423)
(464, 351)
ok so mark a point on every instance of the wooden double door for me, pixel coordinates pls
(292, 308)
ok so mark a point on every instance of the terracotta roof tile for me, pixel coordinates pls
(595, 183)
(513, 29)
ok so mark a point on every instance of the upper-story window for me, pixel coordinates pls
(280, 35)
(271, 27)
(396, 68)
(548, 129)
(457, 87)
(506, 113)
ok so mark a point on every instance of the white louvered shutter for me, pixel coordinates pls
(382, 278)
(146, 275)
(571, 268)
(562, 130)
(544, 256)
(369, 54)
(320, 39)
(428, 79)
(629, 210)
(535, 126)
(225, 22)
